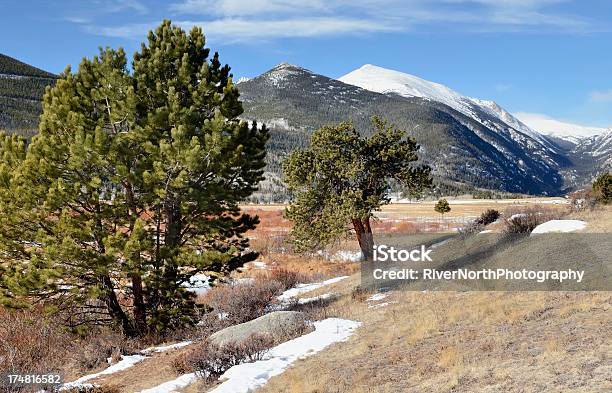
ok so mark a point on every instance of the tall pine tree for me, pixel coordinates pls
(131, 186)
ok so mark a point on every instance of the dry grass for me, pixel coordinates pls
(398, 217)
(599, 220)
(433, 341)
(473, 341)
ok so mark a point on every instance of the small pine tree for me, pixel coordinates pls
(602, 188)
(442, 207)
(342, 178)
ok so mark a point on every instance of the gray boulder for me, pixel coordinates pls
(280, 325)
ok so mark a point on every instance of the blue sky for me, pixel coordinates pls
(552, 57)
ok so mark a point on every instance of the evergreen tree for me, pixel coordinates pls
(442, 207)
(342, 178)
(602, 188)
(132, 185)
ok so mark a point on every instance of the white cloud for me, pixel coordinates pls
(503, 87)
(236, 29)
(243, 8)
(601, 96)
(244, 20)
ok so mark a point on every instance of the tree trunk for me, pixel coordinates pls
(172, 237)
(140, 311)
(364, 237)
(114, 308)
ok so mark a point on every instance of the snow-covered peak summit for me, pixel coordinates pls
(383, 80)
(282, 71)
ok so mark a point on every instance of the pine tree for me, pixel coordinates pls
(132, 185)
(342, 178)
(442, 206)
(602, 188)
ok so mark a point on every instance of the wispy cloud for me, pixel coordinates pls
(98, 8)
(601, 96)
(501, 87)
(237, 29)
(243, 20)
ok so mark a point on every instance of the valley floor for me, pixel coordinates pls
(413, 341)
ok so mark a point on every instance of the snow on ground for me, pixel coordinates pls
(485, 231)
(379, 305)
(303, 288)
(559, 226)
(198, 284)
(341, 256)
(171, 386)
(376, 297)
(347, 256)
(125, 363)
(307, 300)
(259, 265)
(165, 348)
(250, 376)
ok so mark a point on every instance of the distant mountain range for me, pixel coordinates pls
(467, 141)
(21, 90)
(470, 143)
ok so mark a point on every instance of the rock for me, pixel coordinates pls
(277, 324)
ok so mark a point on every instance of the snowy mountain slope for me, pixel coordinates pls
(487, 113)
(599, 147)
(555, 128)
(478, 150)
(382, 80)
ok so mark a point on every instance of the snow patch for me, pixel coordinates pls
(250, 376)
(171, 386)
(376, 297)
(165, 348)
(559, 226)
(125, 363)
(198, 284)
(307, 300)
(303, 288)
(347, 256)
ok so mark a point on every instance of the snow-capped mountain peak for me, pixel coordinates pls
(552, 127)
(382, 80)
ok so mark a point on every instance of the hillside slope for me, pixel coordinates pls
(21, 89)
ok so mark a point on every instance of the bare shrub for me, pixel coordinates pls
(99, 345)
(288, 278)
(243, 302)
(268, 243)
(582, 200)
(524, 221)
(209, 361)
(32, 342)
(360, 294)
(487, 217)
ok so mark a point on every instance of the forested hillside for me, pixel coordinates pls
(21, 89)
